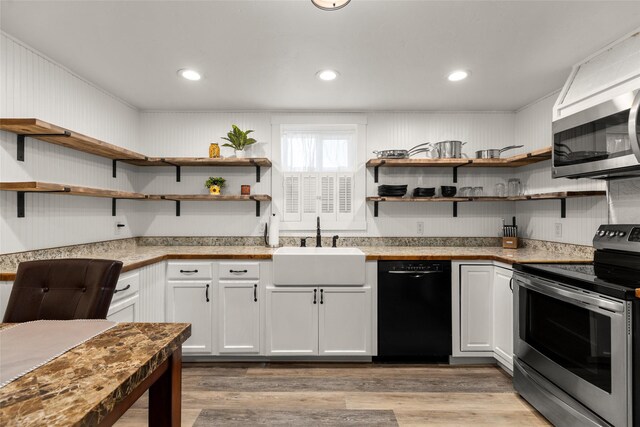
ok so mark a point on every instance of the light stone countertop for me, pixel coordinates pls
(140, 256)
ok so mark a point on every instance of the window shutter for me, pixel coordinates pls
(291, 198)
(327, 192)
(345, 194)
(309, 194)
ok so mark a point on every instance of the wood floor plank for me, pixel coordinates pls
(265, 417)
(464, 418)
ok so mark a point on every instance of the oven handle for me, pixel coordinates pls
(634, 138)
(562, 293)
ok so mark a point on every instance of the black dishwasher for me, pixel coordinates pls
(414, 311)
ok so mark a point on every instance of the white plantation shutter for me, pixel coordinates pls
(309, 194)
(345, 194)
(291, 198)
(327, 194)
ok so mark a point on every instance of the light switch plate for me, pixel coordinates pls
(420, 228)
(558, 229)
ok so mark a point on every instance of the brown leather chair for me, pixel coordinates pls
(62, 289)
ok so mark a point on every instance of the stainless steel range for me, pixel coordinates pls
(577, 327)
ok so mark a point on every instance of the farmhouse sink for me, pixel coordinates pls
(318, 266)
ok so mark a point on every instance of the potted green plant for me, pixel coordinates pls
(215, 184)
(238, 140)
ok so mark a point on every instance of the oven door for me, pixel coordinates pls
(601, 141)
(578, 340)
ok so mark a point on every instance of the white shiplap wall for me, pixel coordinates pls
(538, 219)
(32, 85)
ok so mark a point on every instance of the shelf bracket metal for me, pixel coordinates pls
(375, 209)
(113, 206)
(563, 208)
(21, 199)
(455, 208)
(257, 208)
(21, 137)
(178, 170)
(455, 174)
(375, 170)
(257, 173)
(177, 207)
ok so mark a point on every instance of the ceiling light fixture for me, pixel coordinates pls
(458, 75)
(327, 75)
(189, 74)
(330, 4)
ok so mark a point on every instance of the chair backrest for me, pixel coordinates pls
(62, 289)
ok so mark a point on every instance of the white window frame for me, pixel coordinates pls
(356, 221)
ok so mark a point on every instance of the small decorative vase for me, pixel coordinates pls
(240, 154)
(214, 190)
(214, 151)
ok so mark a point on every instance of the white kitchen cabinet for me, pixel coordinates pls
(503, 316)
(345, 321)
(292, 321)
(319, 321)
(238, 317)
(125, 310)
(191, 302)
(476, 308)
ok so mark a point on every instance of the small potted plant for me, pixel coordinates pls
(215, 184)
(238, 140)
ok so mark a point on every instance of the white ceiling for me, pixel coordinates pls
(392, 55)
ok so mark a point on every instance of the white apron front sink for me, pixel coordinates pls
(318, 266)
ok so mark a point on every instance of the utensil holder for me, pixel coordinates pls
(510, 242)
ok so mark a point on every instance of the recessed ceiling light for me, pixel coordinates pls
(330, 4)
(327, 75)
(189, 74)
(458, 75)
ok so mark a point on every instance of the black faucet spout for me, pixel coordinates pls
(318, 236)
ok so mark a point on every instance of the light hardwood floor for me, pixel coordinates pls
(345, 394)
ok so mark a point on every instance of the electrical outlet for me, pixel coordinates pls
(558, 229)
(118, 226)
(420, 228)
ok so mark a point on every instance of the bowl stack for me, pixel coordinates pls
(392, 190)
(424, 192)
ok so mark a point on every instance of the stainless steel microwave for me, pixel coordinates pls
(599, 142)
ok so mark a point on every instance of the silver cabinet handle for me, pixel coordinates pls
(122, 290)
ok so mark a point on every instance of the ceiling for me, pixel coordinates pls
(254, 55)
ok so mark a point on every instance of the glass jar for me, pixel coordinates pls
(500, 190)
(514, 187)
(477, 191)
(464, 192)
(214, 151)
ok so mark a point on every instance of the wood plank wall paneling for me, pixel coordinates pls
(34, 86)
(152, 292)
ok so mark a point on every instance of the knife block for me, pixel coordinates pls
(510, 242)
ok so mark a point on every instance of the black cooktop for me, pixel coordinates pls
(582, 276)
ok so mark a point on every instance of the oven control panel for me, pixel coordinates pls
(622, 237)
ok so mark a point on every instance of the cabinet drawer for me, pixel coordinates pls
(189, 270)
(128, 284)
(239, 270)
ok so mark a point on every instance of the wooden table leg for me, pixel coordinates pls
(165, 395)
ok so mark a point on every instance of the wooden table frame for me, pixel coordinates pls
(165, 394)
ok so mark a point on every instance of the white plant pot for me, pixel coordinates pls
(240, 154)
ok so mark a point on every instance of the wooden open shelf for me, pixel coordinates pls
(23, 187)
(53, 134)
(562, 196)
(43, 131)
(510, 162)
(70, 190)
(177, 198)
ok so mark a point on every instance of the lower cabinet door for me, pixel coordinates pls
(125, 310)
(503, 316)
(476, 308)
(238, 317)
(345, 321)
(191, 302)
(292, 321)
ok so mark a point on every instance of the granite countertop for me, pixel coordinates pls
(140, 256)
(84, 384)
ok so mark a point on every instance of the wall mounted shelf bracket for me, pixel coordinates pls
(21, 137)
(563, 208)
(21, 201)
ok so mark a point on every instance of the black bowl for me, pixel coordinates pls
(448, 191)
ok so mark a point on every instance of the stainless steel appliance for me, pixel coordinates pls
(599, 142)
(414, 311)
(576, 344)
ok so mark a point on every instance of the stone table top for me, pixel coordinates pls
(84, 384)
(141, 256)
